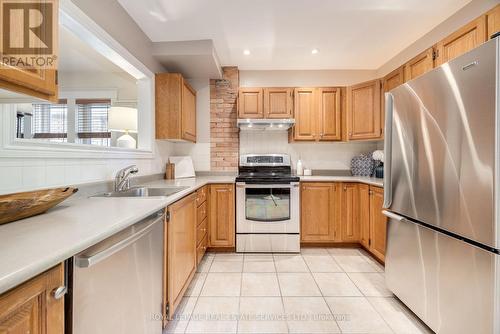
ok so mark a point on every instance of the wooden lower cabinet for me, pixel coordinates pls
(32, 307)
(350, 224)
(378, 224)
(319, 203)
(335, 212)
(221, 215)
(364, 214)
(180, 250)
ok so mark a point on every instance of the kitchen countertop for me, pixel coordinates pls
(363, 179)
(33, 245)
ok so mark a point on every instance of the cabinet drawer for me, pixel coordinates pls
(202, 213)
(201, 249)
(201, 196)
(201, 231)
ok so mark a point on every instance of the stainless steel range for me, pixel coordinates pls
(267, 199)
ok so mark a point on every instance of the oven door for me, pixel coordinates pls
(267, 208)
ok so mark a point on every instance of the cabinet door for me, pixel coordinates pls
(305, 114)
(465, 39)
(363, 111)
(32, 308)
(349, 225)
(329, 114)
(389, 82)
(188, 112)
(493, 21)
(419, 65)
(41, 83)
(181, 248)
(278, 102)
(364, 214)
(222, 216)
(319, 207)
(250, 104)
(378, 223)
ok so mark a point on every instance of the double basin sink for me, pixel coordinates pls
(143, 192)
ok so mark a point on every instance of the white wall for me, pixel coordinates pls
(313, 155)
(314, 78)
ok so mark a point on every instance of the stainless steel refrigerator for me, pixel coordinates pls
(442, 193)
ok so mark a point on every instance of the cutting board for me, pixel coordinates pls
(183, 166)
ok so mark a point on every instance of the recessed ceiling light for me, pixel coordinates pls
(315, 51)
(246, 52)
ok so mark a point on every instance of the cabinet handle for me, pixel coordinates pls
(59, 292)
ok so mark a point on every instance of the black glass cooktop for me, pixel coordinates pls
(266, 175)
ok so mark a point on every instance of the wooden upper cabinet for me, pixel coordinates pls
(422, 63)
(364, 214)
(378, 223)
(278, 102)
(180, 249)
(222, 215)
(363, 111)
(188, 117)
(464, 39)
(350, 223)
(250, 103)
(329, 114)
(32, 307)
(393, 79)
(319, 211)
(493, 21)
(175, 108)
(40, 83)
(305, 113)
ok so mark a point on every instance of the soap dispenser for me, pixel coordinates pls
(300, 168)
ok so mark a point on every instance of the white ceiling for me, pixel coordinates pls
(280, 34)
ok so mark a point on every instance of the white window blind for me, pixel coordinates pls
(92, 122)
(50, 121)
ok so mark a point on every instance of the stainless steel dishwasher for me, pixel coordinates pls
(117, 283)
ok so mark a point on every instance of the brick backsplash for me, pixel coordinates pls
(224, 132)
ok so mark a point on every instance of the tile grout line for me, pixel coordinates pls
(380, 314)
(322, 295)
(281, 295)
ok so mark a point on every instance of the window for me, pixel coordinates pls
(92, 122)
(50, 121)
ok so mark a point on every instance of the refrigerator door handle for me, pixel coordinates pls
(392, 215)
(388, 150)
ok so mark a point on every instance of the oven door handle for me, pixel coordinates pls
(269, 185)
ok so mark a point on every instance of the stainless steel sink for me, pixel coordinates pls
(143, 192)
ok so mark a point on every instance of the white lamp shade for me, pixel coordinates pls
(122, 119)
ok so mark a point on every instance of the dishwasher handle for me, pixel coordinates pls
(88, 258)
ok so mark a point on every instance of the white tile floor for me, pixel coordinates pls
(321, 290)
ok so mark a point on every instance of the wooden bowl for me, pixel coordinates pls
(30, 203)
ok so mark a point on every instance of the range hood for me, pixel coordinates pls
(265, 124)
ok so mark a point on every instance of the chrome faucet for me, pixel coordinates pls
(122, 178)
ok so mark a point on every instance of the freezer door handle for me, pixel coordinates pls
(392, 215)
(389, 100)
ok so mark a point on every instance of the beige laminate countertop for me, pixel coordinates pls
(362, 179)
(33, 245)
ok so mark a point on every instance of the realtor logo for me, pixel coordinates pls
(29, 33)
